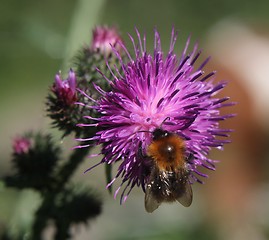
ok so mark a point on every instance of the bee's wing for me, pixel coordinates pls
(186, 197)
(151, 203)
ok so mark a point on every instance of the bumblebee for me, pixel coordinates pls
(169, 176)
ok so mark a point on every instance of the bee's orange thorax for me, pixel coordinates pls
(167, 152)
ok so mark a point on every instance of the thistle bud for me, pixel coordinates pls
(106, 41)
(65, 90)
(104, 38)
(34, 158)
(21, 145)
(61, 104)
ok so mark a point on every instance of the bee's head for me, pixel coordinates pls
(159, 133)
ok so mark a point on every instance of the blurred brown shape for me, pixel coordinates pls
(232, 187)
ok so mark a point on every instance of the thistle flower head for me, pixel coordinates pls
(66, 89)
(104, 37)
(158, 91)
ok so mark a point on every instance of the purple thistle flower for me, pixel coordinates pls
(66, 89)
(158, 91)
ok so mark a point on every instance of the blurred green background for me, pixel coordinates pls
(38, 38)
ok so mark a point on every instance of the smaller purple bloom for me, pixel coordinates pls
(34, 158)
(104, 37)
(66, 89)
(21, 145)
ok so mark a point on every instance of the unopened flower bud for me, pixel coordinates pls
(66, 89)
(21, 145)
(104, 38)
(35, 156)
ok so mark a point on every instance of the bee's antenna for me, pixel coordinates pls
(167, 118)
(140, 131)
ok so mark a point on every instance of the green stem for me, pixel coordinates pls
(68, 169)
(42, 215)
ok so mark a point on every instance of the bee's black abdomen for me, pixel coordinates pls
(168, 186)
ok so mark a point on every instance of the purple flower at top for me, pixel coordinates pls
(104, 37)
(21, 145)
(66, 89)
(158, 91)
